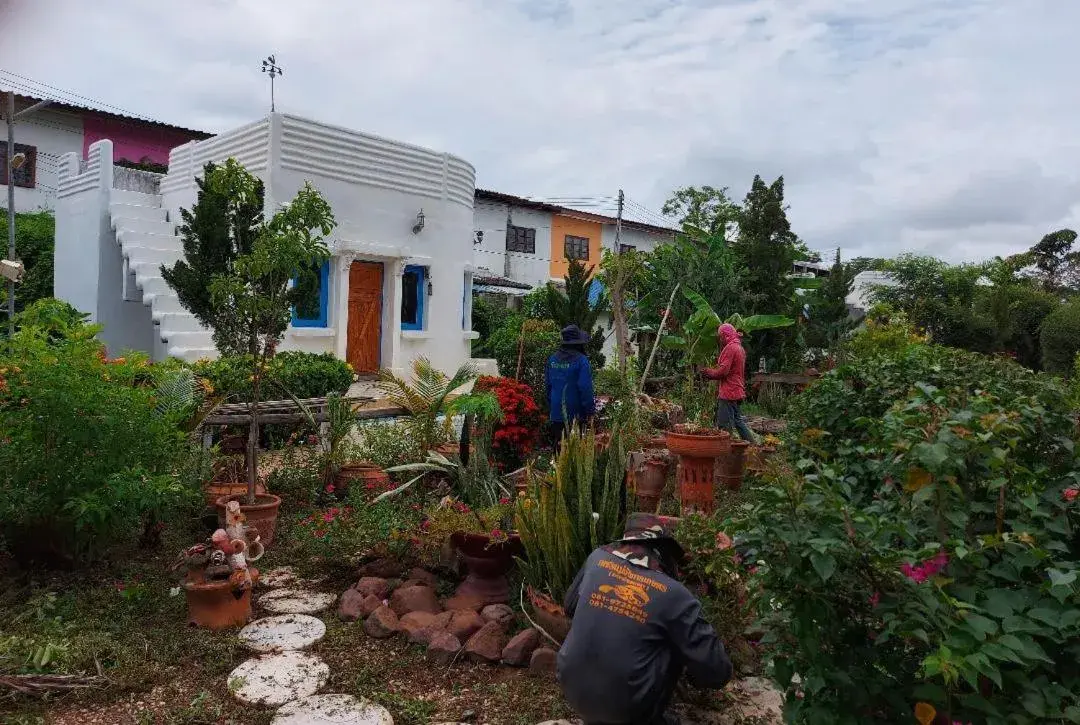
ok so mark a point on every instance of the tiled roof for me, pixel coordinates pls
(30, 100)
(499, 197)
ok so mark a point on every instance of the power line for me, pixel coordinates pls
(73, 94)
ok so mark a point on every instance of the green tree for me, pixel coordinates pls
(705, 208)
(1056, 265)
(829, 317)
(256, 298)
(766, 245)
(572, 307)
(865, 264)
(215, 233)
(1061, 338)
(35, 242)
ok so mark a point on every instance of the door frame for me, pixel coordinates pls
(343, 336)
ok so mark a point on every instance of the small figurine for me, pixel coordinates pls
(237, 528)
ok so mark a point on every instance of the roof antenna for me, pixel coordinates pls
(270, 66)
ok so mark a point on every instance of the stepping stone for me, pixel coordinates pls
(296, 601)
(278, 678)
(282, 576)
(332, 710)
(283, 632)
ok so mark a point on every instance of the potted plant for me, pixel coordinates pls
(256, 297)
(484, 541)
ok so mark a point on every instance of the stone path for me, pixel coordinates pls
(286, 677)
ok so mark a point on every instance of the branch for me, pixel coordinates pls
(659, 333)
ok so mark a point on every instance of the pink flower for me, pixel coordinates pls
(329, 488)
(723, 541)
(1070, 494)
(327, 517)
(875, 599)
(503, 501)
(927, 569)
(312, 439)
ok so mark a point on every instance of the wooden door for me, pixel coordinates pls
(365, 317)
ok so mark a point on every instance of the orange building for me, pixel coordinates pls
(574, 236)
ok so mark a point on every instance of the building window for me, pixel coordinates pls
(576, 247)
(624, 248)
(413, 294)
(520, 239)
(25, 175)
(312, 297)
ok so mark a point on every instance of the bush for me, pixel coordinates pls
(514, 437)
(1060, 338)
(928, 553)
(385, 444)
(298, 477)
(884, 331)
(343, 535)
(88, 455)
(302, 374)
(487, 317)
(541, 339)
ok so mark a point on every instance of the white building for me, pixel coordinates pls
(398, 285)
(862, 287)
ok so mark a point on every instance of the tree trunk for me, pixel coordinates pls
(618, 313)
(253, 439)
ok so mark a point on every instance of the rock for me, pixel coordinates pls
(420, 627)
(425, 576)
(518, 651)
(381, 623)
(543, 662)
(349, 605)
(296, 601)
(332, 710)
(381, 568)
(464, 623)
(414, 599)
(444, 647)
(487, 644)
(575, 721)
(499, 613)
(283, 632)
(369, 604)
(468, 715)
(464, 601)
(278, 678)
(373, 585)
(414, 583)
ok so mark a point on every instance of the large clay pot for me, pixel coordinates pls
(520, 479)
(650, 479)
(487, 565)
(359, 474)
(262, 514)
(758, 456)
(215, 490)
(549, 615)
(697, 451)
(732, 465)
(215, 604)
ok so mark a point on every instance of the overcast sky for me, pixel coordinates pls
(949, 127)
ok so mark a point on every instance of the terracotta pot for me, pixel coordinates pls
(214, 491)
(450, 450)
(487, 565)
(520, 479)
(361, 473)
(549, 615)
(262, 514)
(656, 443)
(705, 443)
(650, 479)
(215, 604)
(603, 440)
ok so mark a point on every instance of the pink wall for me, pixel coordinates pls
(132, 140)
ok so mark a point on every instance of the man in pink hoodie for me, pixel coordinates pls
(730, 370)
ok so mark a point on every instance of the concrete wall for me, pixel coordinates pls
(561, 226)
(645, 241)
(54, 133)
(490, 218)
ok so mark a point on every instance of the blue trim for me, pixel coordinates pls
(324, 298)
(421, 295)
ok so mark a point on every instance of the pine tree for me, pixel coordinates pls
(213, 233)
(767, 246)
(829, 317)
(572, 307)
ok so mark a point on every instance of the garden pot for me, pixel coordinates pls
(262, 514)
(649, 479)
(487, 565)
(520, 480)
(215, 490)
(603, 440)
(215, 604)
(656, 443)
(697, 451)
(451, 450)
(732, 465)
(363, 474)
(549, 615)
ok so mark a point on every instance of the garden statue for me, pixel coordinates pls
(218, 581)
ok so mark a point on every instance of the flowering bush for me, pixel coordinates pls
(519, 430)
(344, 534)
(451, 516)
(928, 553)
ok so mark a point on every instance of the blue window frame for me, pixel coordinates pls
(311, 311)
(413, 295)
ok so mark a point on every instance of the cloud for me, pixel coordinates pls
(898, 124)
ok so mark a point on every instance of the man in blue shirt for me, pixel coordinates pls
(569, 385)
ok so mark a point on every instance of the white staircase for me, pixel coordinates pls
(147, 240)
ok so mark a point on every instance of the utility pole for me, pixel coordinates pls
(618, 224)
(271, 67)
(13, 162)
(618, 293)
(506, 247)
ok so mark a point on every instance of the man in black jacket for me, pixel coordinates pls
(635, 630)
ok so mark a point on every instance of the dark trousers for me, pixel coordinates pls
(658, 713)
(729, 415)
(555, 431)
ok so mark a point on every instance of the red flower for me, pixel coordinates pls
(504, 500)
(875, 598)
(329, 488)
(1070, 494)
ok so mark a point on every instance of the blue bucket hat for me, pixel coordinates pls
(573, 335)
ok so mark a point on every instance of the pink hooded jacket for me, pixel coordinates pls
(730, 367)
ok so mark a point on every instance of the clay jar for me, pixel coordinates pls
(262, 514)
(549, 615)
(487, 565)
(215, 605)
(359, 474)
(650, 478)
(698, 450)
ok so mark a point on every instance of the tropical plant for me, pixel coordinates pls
(254, 300)
(35, 241)
(931, 529)
(569, 513)
(426, 398)
(572, 306)
(698, 341)
(218, 230)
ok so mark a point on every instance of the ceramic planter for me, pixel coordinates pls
(359, 474)
(732, 465)
(215, 490)
(549, 614)
(487, 565)
(262, 514)
(758, 456)
(217, 604)
(649, 481)
(697, 451)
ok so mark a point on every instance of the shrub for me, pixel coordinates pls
(343, 535)
(884, 331)
(487, 317)
(87, 452)
(384, 444)
(534, 341)
(302, 374)
(297, 477)
(515, 436)
(1060, 338)
(928, 553)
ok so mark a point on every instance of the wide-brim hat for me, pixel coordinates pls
(653, 529)
(574, 335)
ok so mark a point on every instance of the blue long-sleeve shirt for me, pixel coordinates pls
(569, 384)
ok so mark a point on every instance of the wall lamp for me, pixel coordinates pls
(419, 225)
